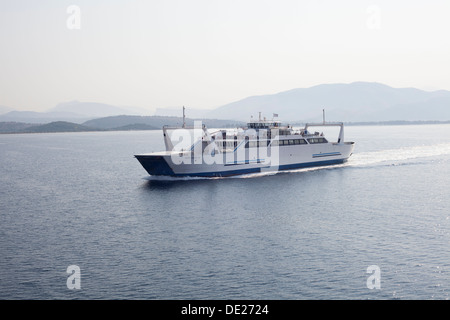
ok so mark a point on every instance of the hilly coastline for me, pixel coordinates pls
(114, 123)
(353, 103)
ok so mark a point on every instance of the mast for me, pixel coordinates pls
(184, 118)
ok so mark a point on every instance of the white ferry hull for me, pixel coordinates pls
(286, 157)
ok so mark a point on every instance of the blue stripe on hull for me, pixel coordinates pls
(157, 166)
(257, 170)
(330, 154)
(312, 164)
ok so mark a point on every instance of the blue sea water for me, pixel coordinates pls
(82, 199)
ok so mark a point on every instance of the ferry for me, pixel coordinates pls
(261, 146)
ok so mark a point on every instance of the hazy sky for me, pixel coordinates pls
(206, 53)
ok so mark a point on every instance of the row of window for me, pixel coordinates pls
(264, 143)
(288, 142)
(317, 140)
(258, 125)
(255, 144)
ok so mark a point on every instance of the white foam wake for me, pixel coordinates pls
(394, 156)
(382, 157)
(363, 159)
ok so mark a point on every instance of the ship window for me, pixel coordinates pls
(317, 140)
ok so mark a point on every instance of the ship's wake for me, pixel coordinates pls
(389, 157)
(398, 156)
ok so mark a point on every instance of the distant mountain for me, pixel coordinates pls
(74, 111)
(353, 102)
(42, 117)
(64, 126)
(58, 126)
(178, 112)
(437, 108)
(358, 101)
(113, 123)
(14, 127)
(95, 109)
(136, 126)
(5, 109)
(154, 121)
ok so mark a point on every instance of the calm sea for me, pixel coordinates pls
(377, 227)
